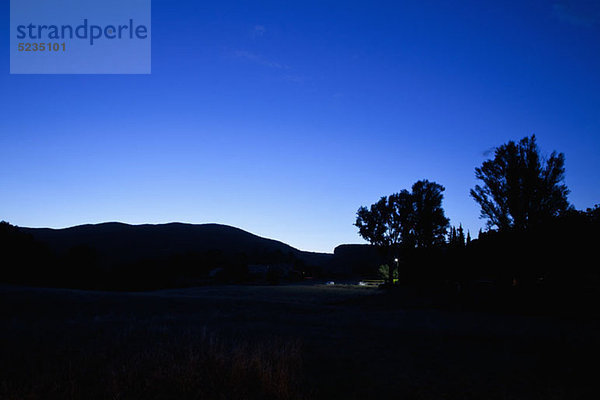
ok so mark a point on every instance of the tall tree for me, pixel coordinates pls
(457, 239)
(384, 223)
(430, 223)
(519, 187)
(461, 236)
(403, 217)
(376, 224)
(407, 219)
(452, 237)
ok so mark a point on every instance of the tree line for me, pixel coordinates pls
(532, 229)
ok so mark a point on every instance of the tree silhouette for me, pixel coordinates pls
(430, 223)
(385, 224)
(461, 236)
(407, 219)
(456, 237)
(520, 188)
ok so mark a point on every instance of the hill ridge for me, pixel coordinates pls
(119, 242)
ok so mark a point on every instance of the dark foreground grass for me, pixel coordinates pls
(155, 362)
(284, 342)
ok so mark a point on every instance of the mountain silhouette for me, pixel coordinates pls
(119, 243)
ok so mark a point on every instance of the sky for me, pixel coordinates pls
(283, 117)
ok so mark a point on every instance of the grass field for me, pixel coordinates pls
(282, 342)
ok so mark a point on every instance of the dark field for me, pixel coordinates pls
(296, 341)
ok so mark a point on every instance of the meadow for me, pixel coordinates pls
(298, 341)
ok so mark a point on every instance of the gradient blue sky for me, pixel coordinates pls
(282, 118)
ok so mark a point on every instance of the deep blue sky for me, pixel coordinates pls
(282, 118)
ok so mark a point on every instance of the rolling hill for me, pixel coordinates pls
(119, 243)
